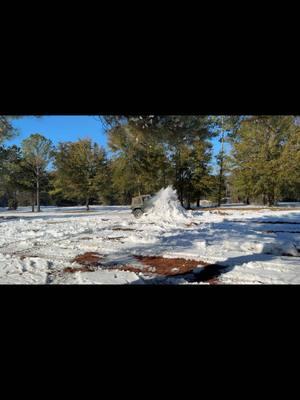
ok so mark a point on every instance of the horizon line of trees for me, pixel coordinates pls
(259, 161)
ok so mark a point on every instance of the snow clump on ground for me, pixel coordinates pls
(165, 207)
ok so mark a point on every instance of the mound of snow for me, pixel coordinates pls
(281, 248)
(277, 248)
(165, 207)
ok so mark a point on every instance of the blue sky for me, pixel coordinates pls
(61, 128)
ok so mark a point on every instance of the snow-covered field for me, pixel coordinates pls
(257, 245)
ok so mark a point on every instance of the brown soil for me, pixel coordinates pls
(154, 265)
(86, 268)
(163, 266)
(88, 259)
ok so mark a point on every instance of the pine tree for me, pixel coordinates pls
(9, 168)
(81, 171)
(7, 131)
(139, 163)
(289, 174)
(16, 176)
(154, 151)
(200, 181)
(257, 156)
(226, 128)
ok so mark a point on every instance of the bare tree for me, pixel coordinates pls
(38, 152)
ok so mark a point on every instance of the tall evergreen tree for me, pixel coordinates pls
(16, 176)
(139, 162)
(157, 149)
(81, 171)
(257, 156)
(7, 130)
(9, 169)
(289, 174)
(201, 181)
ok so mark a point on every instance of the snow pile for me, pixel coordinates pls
(282, 248)
(165, 207)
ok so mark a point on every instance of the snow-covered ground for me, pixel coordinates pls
(258, 246)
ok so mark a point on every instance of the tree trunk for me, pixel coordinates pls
(264, 200)
(188, 204)
(87, 204)
(15, 201)
(221, 183)
(181, 196)
(32, 201)
(38, 193)
(198, 203)
(270, 200)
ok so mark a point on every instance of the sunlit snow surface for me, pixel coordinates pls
(35, 248)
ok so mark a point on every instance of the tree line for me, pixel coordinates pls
(258, 162)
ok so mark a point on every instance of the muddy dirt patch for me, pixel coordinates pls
(88, 259)
(154, 266)
(86, 268)
(163, 266)
(177, 267)
(89, 262)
